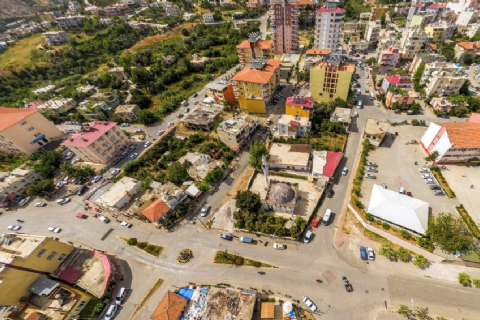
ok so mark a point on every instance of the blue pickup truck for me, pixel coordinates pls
(246, 239)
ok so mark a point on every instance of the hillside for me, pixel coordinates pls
(16, 8)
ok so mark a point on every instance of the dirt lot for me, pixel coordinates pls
(396, 168)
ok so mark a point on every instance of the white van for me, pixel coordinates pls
(359, 105)
(372, 97)
(111, 312)
(184, 103)
(326, 217)
(307, 237)
(401, 190)
(122, 293)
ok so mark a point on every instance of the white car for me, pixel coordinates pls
(161, 132)
(147, 144)
(74, 161)
(204, 211)
(279, 246)
(345, 171)
(69, 155)
(125, 224)
(371, 169)
(195, 102)
(371, 164)
(125, 124)
(310, 304)
(104, 219)
(133, 156)
(424, 170)
(63, 200)
(370, 176)
(97, 178)
(111, 312)
(426, 176)
(14, 228)
(53, 229)
(60, 184)
(377, 104)
(370, 254)
(138, 131)
(429, 181)
(115, 172)
(40, 204)
(274, 128)
(169, 124)
(132, 147)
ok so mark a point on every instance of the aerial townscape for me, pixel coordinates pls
(239, 159)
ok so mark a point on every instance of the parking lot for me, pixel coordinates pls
(396, 168)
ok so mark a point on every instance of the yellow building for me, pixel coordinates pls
(27, 259)
(299, 106)
(24, 131)
(254, 48)
(255, 84)
(437, 32)
(377, 12)
(330, 80)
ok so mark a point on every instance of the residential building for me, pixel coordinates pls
(198, 61)
(93, 110)
(442, 104)
(397, 81)
(423, 58)
(314, 56)
(465, 18)
(377, 12)
(356, 45)
(120, 193)
(157, 211)
(422, 20)
(400, 98)
(364, 17)
(299, 106)
(56, 38)
(255, 84)
(172, 195)
(110, 98)
(45, 89)
(329, 27)
(118, 72)
(235, 132)
(208, 17)
(98, 142)
(455, 142)
(426, 8)
(57, 106)
(386, 38)
(354, 26)
(472, 30)
(412, 42)
(24, 131)
(127, 112)
(439, 32)
(444, 83)
(389, 58)
(70, 22)
(375, 131)
(342, 116)
(325, 163)
(200, 164)
(331, 79)
(115, 9)
(220, 92)
(254, 48)
(254, 4)
(16, 182)
(372, 32)
(284, 25)
(172, 10)
(172, 307)
(459, 6)
(169, 59)
(293, 126)
(28, 258)
(432, 67)
(202, 118)
(296, 157)
(464, 48)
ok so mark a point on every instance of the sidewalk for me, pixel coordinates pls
(448, 272)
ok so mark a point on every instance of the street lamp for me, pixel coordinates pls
(412, 304)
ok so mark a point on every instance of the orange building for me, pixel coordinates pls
(254, 48)
(299, 106)
(220, 92)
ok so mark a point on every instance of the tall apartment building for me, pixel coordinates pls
(329, 27)
(466, 48)
(255, 84)
(284, 25)
(444, 83)
(98, 142)
(389, 58)
(439, 32)
(24, 131)
(70, 22)
(438, 66)
(425, 8)
(331, 79)
(412, 42)
(423, 58)
(254, 48)
(372, 32)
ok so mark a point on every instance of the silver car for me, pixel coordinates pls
(370, 176)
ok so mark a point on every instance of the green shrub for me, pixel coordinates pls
(132, 241)
(426, 243)
(464, 279)
(142, 245)
(93, 307)
(420, 261)
(358, 203)
(385, 226)
(405, 234)
(369, 217)
(476, 283)
(379, 222)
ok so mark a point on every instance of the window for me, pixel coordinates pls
(62, 256)
(41, 252)
(81, 305)
(23, 123)
(52, 255)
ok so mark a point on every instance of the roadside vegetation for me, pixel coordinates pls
(472, 226)
(437, 172)
(223, 257)
(152, 249)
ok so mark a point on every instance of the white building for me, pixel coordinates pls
(120, 193)
(466, 17)
(462, 5)
(412, 42)
(329, 27)
(208, 17)
(372, 32)
(15, 182)
(290, 157)
(292, 126)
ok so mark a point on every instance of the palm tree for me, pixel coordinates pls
(404, 310)
(422, 314)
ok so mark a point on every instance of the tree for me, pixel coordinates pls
(257, 150)
(450, 233)
(464, 279)
(141, 100)
(422, 314)
(177, 173)
(247, 201)
(402, 254)
(415, 107)
(371, 61)
(476, 283)
(214, 175)
(184, 32)
(388, 252)
(464, 89)
(40, 188)
(416, 78)
(432, 157)
(420, 261)
(146, 117)
(404, 310)
(48, 162)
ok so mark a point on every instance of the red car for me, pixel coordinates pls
(315, 223)
(81, 216)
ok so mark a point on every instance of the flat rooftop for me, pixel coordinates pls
(290, 154)
(287, 119)
(235, 125)
(126, 186)
(376, 127)
(13, 245)
(343, 115)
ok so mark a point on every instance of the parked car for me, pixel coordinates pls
(426, 176)
(97, 178)
(310, 304)
(115, 172)
(370, 176)
(138, 131)
(330, 193)
(372, 169)
(345, 171)
(180, 115)
(104, 219)
(147, 144)
(279, 246)
(363, 253)
(429, 181)
(125, 124)
(384, 185)
(53, 229)
(74, 161)
(125, 224)
(377, 104)
(123, 154)
(69, 155)
(204, 210)
(82, 190)
(195, 102)
(14, 227)
(63, 201)
(371, 164)
(439, 192)
(424, 170)
(111, 312)
(408, 193)
(274, 128)
(161, 132)
(366, 90)
(226, 236)
(435, 187)
(371, 254)
(195, 95)
(132, 147)
(60, 184)
(40, 204)
(133, 156)
(187, 110)
(169, 124)
(81, 216)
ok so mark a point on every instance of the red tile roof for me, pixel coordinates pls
(156, 210)
(333, 159)
(435, 6)
(325, 10)
(474, 118)
(300, 101)
(86, 138)
(318, 51)
(262, 44)
(417, 6)
(469, 45)
(294, 123)
(258, 75)
(11, 116)
(463, 134)
(398, 79)
(170, 308)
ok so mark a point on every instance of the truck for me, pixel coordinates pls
(246, 239)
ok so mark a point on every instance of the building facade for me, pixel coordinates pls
(284, 25)
(220, 92)
(398, 81)
(299, 106)
(389, 59)
(235, 132)
(330, 80)
(293, 126)
(329, 27)
(439, 32)
(372, 32)
(412, 42)
(254, 48)
(24, 131)
(127, 112)
(444, 83)
(466, 48)
(400, 98)
(56, 38)
(98, 142)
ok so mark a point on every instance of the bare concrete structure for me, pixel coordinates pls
(202, 119)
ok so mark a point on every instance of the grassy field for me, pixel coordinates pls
(19, 54)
